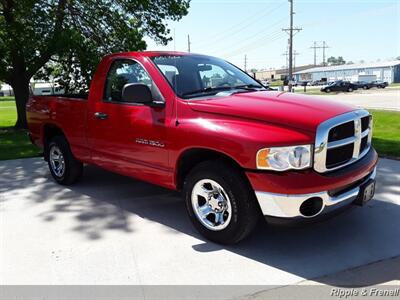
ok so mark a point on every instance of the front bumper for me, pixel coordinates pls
(288, 206)
(282, 194)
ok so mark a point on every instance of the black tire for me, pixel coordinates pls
(327, 90)
(244, 206)
(350, 89)
(72, 167)
(365, 87)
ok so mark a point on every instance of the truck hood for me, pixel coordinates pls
(287, 109)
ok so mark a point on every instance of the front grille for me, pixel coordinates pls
(364, 143)
(338, 156)
(365, 122)
(342, 140)
(341, 132)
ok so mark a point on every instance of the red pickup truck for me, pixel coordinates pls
(198, 124)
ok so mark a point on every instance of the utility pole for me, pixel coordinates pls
(295, 53)
(315, 52)
(188, 43)
(245, 63)
(323, 47)
(291, 30)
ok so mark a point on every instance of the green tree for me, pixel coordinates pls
(333, 61)
(73, 35)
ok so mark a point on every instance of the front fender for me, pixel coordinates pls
(239, 139)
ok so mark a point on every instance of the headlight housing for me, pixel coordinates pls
(284, 158)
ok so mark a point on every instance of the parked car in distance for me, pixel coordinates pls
(379, 84)
(318, 83)
(339, 86)
(363, 85)
(200, 125)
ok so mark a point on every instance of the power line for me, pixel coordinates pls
(238, 27)
(255, 44)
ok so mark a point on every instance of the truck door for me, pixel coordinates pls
(129, 138)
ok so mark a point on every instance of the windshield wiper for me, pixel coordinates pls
(207, 89)
(249, 87)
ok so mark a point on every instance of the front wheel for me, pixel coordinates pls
(220, 202)
(327, 90)
(64, 167)
(350, 89)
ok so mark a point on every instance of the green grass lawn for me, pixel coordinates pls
(276, 83)
(8, 113)
(313, 91)
(13, 143)
(386, 133)
(7, 98)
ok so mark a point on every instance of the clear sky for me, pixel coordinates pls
(355, 29)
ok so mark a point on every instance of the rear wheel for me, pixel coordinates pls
(64, 167)
(220, 202)
(350, 89)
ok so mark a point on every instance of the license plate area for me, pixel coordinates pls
(367, 192)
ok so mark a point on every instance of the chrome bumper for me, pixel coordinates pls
(288, 206)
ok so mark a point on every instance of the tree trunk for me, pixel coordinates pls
(21, 92)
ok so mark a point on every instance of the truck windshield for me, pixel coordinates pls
(194, 76)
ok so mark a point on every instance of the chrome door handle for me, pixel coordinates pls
(100, 115)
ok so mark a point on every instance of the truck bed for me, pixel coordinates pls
(67, 111)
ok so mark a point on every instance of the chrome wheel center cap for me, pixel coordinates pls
(216, 203)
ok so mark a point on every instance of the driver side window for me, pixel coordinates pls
(124, 71)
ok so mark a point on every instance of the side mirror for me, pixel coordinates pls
(136, 93)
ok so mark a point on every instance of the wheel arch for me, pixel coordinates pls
(49, 131)
(189, 158)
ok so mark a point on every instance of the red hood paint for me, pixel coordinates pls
(298, 111)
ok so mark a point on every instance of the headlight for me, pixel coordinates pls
(284, 158)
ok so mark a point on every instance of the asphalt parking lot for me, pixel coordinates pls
(110, 229)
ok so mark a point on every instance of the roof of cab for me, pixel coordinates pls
(148, 53)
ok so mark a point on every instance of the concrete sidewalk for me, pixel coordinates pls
(110, 229)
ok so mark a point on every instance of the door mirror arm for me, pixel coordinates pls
(156, 103)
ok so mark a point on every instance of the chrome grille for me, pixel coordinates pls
(342, 140)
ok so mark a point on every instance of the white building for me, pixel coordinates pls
(387, 71)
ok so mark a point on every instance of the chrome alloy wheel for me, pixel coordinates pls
(57, 161)
(211, 204)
